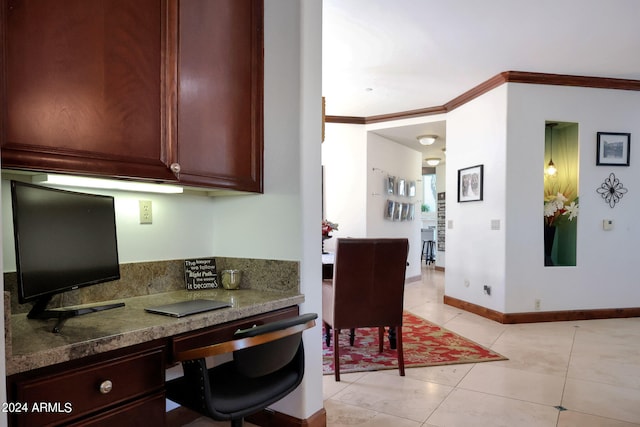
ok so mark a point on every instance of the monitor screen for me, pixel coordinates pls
(64, 240)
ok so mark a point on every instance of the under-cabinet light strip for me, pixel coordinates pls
(110, 184)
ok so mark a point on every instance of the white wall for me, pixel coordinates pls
(344, 159)
(384, 158)
(504, 130)
(182, 226)
(604, 276)
(476, 135)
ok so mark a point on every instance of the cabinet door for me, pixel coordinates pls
(220, 94)
(83, 83)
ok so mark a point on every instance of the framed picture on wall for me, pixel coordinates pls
(470, 183)
(390, 184)
(405, 212)
(390, 209)
(613, 149)
(411, 192)
(402, 190)
(397, 213)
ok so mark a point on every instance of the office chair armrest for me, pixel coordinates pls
(242, 343)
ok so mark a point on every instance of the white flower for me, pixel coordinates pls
(550, 208)
(559, 200)
(571, 210)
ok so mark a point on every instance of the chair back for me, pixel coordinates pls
(368, 282)
(271, 356)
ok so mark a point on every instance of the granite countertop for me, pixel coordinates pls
(32, 345)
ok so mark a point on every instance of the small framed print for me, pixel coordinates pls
(613, 149)
(405, 212)
(402, 189)
(390, 184)
(470, 182)
(411, 192)
(397, 214)
(390, 209)
(412, 212)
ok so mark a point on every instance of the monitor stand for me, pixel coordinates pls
(39, 311)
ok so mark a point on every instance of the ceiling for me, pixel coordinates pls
(382, 57)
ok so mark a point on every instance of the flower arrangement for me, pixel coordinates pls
(327, 228)
(558, 208)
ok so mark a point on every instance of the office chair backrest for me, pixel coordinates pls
(368, 282)
(272, 355)
(238, 388)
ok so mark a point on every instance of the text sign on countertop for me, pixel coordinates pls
(200, 274)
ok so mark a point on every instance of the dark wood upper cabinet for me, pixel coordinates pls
(220, 93)
(83, 87)
(167, 90)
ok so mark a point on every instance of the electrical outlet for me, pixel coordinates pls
(487, 289)
(146, 212)
(536, 305)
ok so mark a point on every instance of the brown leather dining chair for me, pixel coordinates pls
(367, 291)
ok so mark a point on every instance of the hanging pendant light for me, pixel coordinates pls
(551, 169)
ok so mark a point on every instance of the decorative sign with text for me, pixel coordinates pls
(200, 274)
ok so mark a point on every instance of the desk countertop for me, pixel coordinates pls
(32, 345)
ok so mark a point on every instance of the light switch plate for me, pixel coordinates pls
(607, 224)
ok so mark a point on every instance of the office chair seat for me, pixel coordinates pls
(268, 364)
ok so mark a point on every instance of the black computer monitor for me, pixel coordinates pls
(64, 240)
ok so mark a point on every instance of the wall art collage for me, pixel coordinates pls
(400, 207)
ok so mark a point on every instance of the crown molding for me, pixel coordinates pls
(492, 83)
(346, 119)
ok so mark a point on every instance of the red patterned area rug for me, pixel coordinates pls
(425, 344)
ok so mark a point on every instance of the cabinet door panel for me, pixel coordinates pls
(83, 86)
(220, 93)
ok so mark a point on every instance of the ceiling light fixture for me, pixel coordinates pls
(427, 139)
(432, 161)
(109, 184)
(551, 169)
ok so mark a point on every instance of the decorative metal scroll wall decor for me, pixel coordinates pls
(611, 190)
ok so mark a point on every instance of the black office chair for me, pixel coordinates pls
(268, 364)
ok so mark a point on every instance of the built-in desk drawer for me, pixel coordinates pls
(74, 393)
(149, 411)
(224, 332)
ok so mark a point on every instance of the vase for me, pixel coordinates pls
(549, 237)
(323, 239)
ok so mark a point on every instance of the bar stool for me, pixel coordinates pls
(430, 254)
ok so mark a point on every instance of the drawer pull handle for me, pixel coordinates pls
(106, 387)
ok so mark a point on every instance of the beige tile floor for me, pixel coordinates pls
(591, 368)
